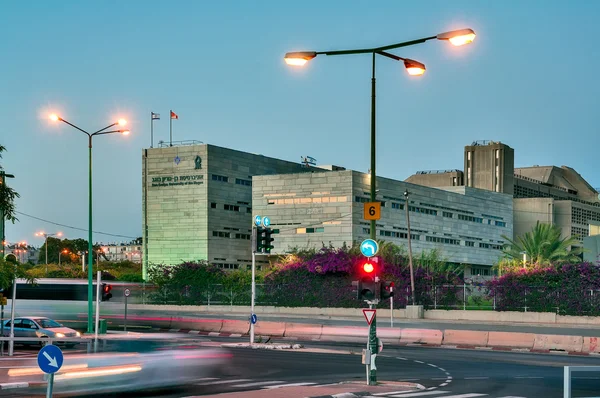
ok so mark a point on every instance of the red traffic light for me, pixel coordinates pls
(107, 288)
(368, 268)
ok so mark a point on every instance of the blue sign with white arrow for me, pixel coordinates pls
(266, 222)
(369, 248)
(253, 319)
(50, 359)
(257, 220)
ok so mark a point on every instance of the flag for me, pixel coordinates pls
(155, 116)
(174, 115)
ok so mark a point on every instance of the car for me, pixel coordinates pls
(40, 327)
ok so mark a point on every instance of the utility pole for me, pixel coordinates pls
(410, 259)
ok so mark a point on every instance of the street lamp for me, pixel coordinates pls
(45, 235)
(59, 254)
(120, 122)
(414, 68)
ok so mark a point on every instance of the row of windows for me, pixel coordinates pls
(447, 241)
(470, 218)
(247, 183)
(447, 214)
(302, 201)
(216, 177)
(400, 235)
(222, 234)
(435, 239)
(308, 230)
(481, 271)
(228, 207)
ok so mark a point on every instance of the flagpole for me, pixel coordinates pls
(170, 128)
(151, 129)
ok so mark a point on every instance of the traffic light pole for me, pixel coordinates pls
(253, 295)
(372, 347)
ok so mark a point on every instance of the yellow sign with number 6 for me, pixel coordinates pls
(372, 211)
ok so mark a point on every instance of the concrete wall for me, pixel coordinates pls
(482, 160)
(531, 210)
(437, 179)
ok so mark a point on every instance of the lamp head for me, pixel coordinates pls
(458, 37)
(414, 68)
(122, 122)
(299, 58)
(54, 117)
(125, 132)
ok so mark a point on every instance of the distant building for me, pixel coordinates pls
(548, 194)
(121, 252)
(22, 254)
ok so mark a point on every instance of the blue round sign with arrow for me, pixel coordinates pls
(266, 221)
(257, 220)
(50, 359)
(369, 247)
(253, 319)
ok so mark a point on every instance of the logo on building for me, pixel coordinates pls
(198, 162)
(177, 160)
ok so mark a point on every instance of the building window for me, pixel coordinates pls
(397, 206)
(232, 207)
(221, 234)
(490, 246)
(360, 199)
(309, 230)
(500, 223)
(216, 177)
(249, 210)
(239, 181)
(242, 236)
(439, 239)
(469, 243)
(422, 210)
(213, 205)
(447, 214)
(470, 218)
(480, 271)
(366, 230)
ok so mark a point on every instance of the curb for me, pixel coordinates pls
(12, 386)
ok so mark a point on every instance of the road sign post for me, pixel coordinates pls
(50, 360)
(126, 293)
(372, 211)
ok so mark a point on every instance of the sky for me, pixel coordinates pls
(529, 80)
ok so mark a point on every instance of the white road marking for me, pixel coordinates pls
(403, 359)
(476, 378)
(419, 394)
(289, 385)
(418, 361)
(430, 364)
(529, 377)
(259, 383)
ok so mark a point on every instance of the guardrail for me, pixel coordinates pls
(571, 369)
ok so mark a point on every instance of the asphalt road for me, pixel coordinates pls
(74, 314)
(443, 372)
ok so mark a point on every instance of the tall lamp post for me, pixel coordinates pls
(105, 130)
(45, 235)
(414, 68)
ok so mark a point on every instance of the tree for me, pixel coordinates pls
(7, 196)
(543, 246)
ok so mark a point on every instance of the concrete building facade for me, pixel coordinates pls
(314, 209)
(197, 203)
(546, 194)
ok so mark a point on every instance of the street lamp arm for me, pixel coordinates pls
(108, 132)
(377, 49)
(72, 125)
(105, 128)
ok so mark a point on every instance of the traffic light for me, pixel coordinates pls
(368, 289)
(260, 239)
(386, 290)
(267, 241)
(106, 294)
(357, 288)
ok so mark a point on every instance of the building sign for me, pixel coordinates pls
(169, 181)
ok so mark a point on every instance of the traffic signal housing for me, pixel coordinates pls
(260, 239)
(268, 239)
(386, 290)
(106, 294)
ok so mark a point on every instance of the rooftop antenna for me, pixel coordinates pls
(308, 161)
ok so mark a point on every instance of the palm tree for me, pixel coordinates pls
(544, 246)
(7, 197)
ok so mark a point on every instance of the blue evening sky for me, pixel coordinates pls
(528, 80)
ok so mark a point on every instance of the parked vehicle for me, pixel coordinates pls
(40, 327)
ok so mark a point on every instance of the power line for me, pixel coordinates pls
(75, 228)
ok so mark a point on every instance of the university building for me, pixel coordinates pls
(314, 209)
(197, 203)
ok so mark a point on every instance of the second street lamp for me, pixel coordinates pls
(45, 235)
(105, 130)
(414, 68)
